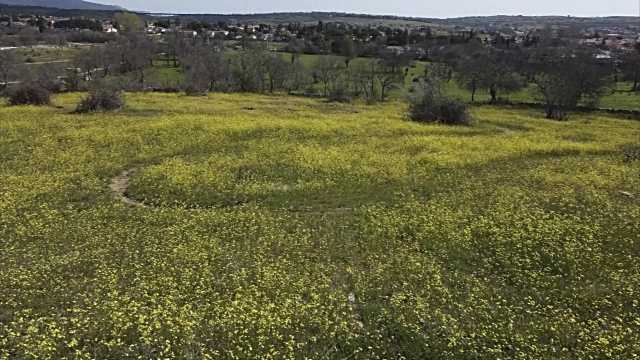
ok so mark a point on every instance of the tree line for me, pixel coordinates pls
(564, 74)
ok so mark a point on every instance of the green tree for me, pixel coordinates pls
(129, 22)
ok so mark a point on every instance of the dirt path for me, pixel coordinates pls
(119, 186)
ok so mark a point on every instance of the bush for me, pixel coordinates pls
(102, 99)
(194, 90)
(29, 94)
(428, 104)
(339, 94)
(631, 153)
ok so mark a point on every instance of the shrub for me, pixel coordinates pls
(339, 94)
(428, 104)
(29, 94)
(194, 90)
(102, 99)
(631, 153)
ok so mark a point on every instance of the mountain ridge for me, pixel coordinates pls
(62, 4)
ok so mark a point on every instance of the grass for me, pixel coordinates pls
(285, 227)
(36, 54)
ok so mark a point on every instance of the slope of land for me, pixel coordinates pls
(61, 4)
(514, 237)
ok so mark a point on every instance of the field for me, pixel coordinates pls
(249, 226)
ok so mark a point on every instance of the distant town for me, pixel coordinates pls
(20, 27)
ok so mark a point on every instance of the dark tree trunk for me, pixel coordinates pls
(473, 91)
(556, 113)
(494, 94)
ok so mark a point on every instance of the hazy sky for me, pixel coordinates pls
(419, 8)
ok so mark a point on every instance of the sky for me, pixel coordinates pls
(417, 8)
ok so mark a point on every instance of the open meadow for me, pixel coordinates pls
(239, 226)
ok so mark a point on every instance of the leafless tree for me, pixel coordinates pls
(7, 67)
(326, 70)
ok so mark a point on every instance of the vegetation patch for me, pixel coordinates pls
(102, 98)
(466, 241)
(29, 94)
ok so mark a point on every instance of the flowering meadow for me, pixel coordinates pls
(275, 227)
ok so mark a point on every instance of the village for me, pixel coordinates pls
(26, 29)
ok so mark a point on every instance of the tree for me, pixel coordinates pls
(391, 74)
(326, 71)
(346, 48)
(129, 22)
(7, 67)
(89, 61)
(297, 78)
(204, 66)
(136, 54)
(365, 77)
(428, 103)
(248, 68)
(630, 67)
(566, 76)
(276, 71)
(489, 69)
(174, 45)
(295, 47)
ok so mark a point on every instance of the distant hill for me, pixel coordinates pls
(62, 4)
(497, 21)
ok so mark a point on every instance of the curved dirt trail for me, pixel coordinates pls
(119, 186)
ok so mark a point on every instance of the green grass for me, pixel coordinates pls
(164, 76)
(286, 227)
(610, 99)
(45, 54)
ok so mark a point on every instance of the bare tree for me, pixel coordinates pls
(298, 77)
(295, 47)
(248, 67)
(8, 62)
(326, 71)
(489, 69)
(135, 53)
(365, 77)
(630, 67)
(89, 61)
(391, 71)
(346, 47)
(276, 71)
(204, 66)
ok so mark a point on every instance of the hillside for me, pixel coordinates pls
(241, 226)
(62, 4)
(390, 20)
